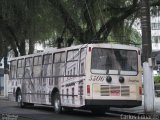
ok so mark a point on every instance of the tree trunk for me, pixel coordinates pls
(31, 46)
(15, 52)
(71, 25)
(22, 48)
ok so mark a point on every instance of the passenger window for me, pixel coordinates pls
(37, 66)
(20, 68)
(72, 55)
(28, 67)
(82, 68)
(72, 62)
(47, 65)
(82, 61)
(13, 68)
(59, 64)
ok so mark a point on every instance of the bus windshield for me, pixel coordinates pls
(114, 61)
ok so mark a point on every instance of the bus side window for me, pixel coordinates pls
(13, 68)
(83, 53)
(28, 67)
(82, 68)
(37, 66)
(71, 72)
(59, 64)
(72, 62)
(74, 71)
(47, 65)
(20, 68)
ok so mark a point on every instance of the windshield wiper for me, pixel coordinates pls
(106, 65)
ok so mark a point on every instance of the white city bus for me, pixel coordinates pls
(89, 76)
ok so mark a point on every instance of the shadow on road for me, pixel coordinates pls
(75, 112)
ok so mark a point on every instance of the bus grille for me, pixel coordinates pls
(105, 90)
(125, 91)
(113, 90)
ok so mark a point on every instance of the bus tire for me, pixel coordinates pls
(28, 104)
(68, 109)
(57, 103)
(19, 100)
(98, 112)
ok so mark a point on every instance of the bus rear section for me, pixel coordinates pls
(114, 78)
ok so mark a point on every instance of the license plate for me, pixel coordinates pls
(115, 93)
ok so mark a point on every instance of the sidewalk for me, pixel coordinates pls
(157, 105)
(140, 109)
(3, 98)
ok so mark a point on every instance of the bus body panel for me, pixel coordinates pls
(103, 92)
(77, 87)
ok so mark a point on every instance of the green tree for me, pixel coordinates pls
(66, 21)
(89, 20)
(24, 21)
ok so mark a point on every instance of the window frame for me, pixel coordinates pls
(31, 66)
(53, 63)
(41, 56)
(73, 56)
(43, 64)
(122, 70)
(72, 60)
(48, 62)
(38, 60)
(22, 66)
(84, 63)
(11, 70)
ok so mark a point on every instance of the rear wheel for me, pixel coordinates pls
(68, 109)
(19, 100)
(98, 112)
(21, 103)
(57, 103)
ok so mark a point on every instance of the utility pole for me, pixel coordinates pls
(149, 94)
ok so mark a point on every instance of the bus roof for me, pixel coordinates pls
(101, 45)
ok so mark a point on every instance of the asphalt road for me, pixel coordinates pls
(10, 109)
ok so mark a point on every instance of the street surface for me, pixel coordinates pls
(10, 110)
(140, 109)
(47, 113)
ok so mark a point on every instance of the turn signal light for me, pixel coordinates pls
(140, 90)
(90, 49)
(88, 90)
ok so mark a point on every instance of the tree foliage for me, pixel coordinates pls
(91, 20)
(24, 22)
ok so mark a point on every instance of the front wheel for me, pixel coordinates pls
(57, 103)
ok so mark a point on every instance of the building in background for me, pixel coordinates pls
(155, 30)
